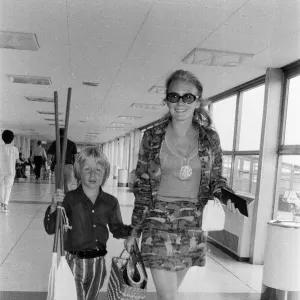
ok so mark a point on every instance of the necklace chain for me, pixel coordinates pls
(186, 170)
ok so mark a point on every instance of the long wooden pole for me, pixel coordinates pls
(65, 141)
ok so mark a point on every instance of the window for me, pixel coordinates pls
(292, 135)
(238, 120)
(245, 174)
(223, 119)
(252, 102)
(287, 197)
(288, 181)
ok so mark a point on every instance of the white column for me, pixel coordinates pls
(121, 152)
(137, 141)
(126, 152)
(266, 176)
(131, 146)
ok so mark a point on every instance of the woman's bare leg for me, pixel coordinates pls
(167, 283)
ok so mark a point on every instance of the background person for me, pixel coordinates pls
(39, 157)
(69, 161)
(179, 168)
(9, 154)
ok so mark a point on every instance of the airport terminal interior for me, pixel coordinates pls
(109, 59)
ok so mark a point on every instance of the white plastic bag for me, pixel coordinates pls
(213, 218)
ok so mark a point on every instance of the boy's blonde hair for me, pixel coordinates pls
(100, 158)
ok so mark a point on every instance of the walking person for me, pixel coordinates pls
(179, 168)
(71, 153)
(39, 157)
(9, 155)
(91, 212)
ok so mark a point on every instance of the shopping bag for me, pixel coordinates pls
(213, 216)
(125, 283)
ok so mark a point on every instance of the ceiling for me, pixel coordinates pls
(128, 46)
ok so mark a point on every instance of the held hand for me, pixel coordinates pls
(58, 196)
(130, 243)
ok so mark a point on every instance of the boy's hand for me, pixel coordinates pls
(58, 196)
(130, 243)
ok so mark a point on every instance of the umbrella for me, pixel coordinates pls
(61, 284)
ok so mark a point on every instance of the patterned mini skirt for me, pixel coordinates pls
(172, 238)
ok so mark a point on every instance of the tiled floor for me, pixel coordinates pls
(26, 250)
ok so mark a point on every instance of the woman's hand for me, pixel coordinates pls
(58, 196)
(130, 243)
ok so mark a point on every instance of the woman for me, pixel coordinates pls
(178, 170)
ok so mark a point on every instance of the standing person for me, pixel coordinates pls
(90, 210)
(9, 155)
(179, 168)
(39, 157)
(69, 161)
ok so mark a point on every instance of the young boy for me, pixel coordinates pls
(9, 154)
(89, 210)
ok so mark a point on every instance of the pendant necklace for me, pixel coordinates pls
(186, 170)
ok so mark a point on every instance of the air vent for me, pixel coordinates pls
(18, 41)
(43, 112)
(90, 83)
(26, 79)
(40, 99)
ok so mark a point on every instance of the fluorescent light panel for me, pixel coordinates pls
(90, 83)
(18, 41)
(211, 57)
(26, 79)
(129, 117)
(40, 99)
(157, 89)
(43, 112)
(146, 106)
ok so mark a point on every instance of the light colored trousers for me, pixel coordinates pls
(6, 183)
(68, 176)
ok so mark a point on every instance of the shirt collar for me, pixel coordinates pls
(100, 196)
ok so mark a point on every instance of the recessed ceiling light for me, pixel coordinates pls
(129, 117)
(18, 41)
(157, 89)
(211, 57)
(40, 99)
(90, 83)
(26, 79)
(147, 106)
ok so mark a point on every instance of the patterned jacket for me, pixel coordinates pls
(148, 171)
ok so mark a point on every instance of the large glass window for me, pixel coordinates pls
(252, 102)
(288, 187)
(287, 198)
(292, 135)
(245, 174)
(223, 118)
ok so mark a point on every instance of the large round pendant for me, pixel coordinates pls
(185, 172)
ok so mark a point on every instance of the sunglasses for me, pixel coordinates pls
(186, 98)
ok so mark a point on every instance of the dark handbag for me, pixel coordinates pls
(128, 277)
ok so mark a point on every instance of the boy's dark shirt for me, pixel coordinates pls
(70, 152)
(89, 221)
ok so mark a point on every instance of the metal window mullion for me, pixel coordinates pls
(236, 134)
(284, 105)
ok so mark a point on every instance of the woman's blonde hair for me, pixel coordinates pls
(100, 159)
(201, 115)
